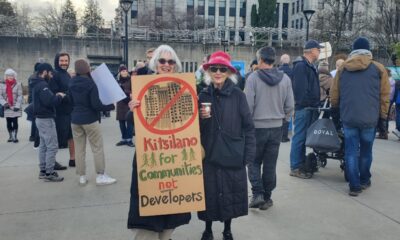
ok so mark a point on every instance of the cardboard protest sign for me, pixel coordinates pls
(326, 52)
(168, 147)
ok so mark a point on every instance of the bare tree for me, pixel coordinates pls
(386, 27)
(50, 21)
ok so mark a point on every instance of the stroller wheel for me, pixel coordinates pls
(311, 164)
(322, 162)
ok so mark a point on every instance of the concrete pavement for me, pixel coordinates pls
(318, 208)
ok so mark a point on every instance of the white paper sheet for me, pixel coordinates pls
(109, 90)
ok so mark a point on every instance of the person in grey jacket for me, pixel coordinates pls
(270, 97)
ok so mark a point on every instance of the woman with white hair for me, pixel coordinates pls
(228, 137)
(11, 99)
(164, 61)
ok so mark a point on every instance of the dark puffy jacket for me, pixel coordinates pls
(43, 99)
(226, 189)
(60, 83)
(85, 100)
(306, 88)
(286, 69)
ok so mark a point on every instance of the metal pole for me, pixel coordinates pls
(308, 26)
(126, 39)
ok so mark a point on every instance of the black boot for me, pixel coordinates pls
(59, 167)
(10, 139)
(15, 139)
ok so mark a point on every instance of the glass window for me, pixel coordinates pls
(134, 9)
(292, 23)
(301, 23)
(297, 23)
(302, 5)
(321, 4)
(158, 7)
(211, 3)
(159, 3)
(190, 2)
(293, 8)
(222, 3)
(285, 15)
(211, 21)
(221, 21)
(200, 8)
(297, 6)
(211, 7)
(243, 8)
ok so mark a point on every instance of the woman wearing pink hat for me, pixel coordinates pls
(228, 137)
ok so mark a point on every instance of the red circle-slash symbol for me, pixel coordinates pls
(184, 86)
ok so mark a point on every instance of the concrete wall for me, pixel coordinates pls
(22, 53)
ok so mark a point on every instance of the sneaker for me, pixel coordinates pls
(256, 201)
(267, 204)
(227, 235)
(42, 174)
(103, 179)
(59, 167)
(396, 133)
(83, 180)
(53, 177)
(354, 193)
(365, 186)
(71, 163)
(300, 174)
(120, 143)
(207, 236)
(130, 144)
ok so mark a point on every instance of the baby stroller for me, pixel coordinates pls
(326, 141)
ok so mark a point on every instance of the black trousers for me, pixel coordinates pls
(12, 123)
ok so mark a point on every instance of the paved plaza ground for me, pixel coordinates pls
(318, 208)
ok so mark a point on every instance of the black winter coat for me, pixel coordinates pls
(226, 189)
(60, 83)
(44, 100)
(84, 97)
(151, 223)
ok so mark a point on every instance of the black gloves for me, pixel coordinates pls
(335, 113)
(382, 125)
(16, 109)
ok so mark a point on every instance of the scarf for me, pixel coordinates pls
(360, 52)
(9, 87)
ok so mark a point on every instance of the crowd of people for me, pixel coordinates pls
(255, 110)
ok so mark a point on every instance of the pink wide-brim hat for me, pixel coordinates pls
(220, 58)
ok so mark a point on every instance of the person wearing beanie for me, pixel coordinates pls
(59, 83)
(44, 103)
(85, 118)
(272, 86)
(126, 128)
(306, 92)
(360, 99)
(11, 99)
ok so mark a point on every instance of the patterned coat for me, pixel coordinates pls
(18, 99)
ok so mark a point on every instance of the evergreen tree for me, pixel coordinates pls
(70, 25)
(266, 13)
(92, 19)
(6, 9)
(254, 16)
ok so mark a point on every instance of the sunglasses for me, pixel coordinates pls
(164, 61)
(221, 69)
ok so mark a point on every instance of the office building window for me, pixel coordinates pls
(200, 8)
(232, 8)
(292, 23)
(221, 21)
(134, 9)
(297, 23)
(297, 6)
(242, 4)
(222, 6)
(321, 4)
(158, 7)
(211, 7)
(293, 8)
(285, 15)
(211, 21)
(302, 5)
(301, 23)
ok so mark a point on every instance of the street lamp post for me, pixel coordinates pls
(126, 6)
(308, 15)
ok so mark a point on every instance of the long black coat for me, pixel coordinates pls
(226, 189)
(152, 223)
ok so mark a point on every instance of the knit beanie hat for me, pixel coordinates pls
(122, 68)
(361, 43)
(10, 72)
(82, 67)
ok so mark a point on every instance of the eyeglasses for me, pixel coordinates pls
(221, 69)
(164, 61)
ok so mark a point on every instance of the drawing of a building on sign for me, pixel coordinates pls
(158, 97)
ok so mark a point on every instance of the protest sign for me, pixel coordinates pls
(168, 147)
(109, 90)
(326, 52)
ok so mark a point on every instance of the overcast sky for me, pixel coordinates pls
(107, 6)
